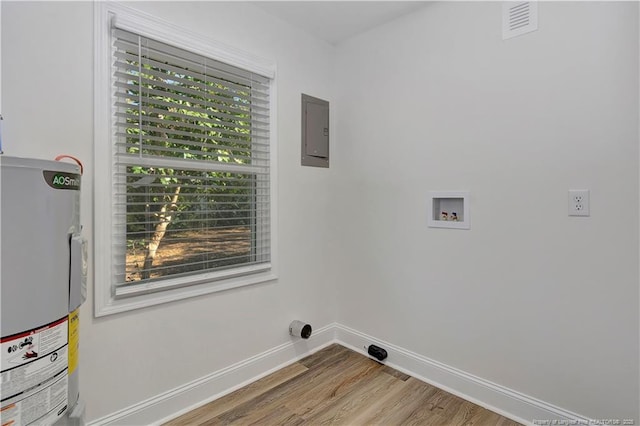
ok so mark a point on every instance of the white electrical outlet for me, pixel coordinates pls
(579, 202)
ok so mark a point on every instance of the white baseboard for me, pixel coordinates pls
(173, 403)
(504, 401)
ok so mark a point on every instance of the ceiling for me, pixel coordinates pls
(336, 21)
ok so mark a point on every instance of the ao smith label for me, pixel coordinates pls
(62, 180)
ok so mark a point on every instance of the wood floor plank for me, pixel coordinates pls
(324, 394)
(466, 413)
(434, 409)
(295, 388)
(323, 355)
(395, 407)
(503, 421)
(280, 416)
(396, 373)
(337, 386)
(486, 417)
(209, 411)
(349, 406)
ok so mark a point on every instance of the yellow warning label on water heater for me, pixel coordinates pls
(74, 340)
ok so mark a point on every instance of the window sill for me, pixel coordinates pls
(144, 299)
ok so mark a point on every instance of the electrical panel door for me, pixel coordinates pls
(315, 132)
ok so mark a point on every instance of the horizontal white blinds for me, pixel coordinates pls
(191, 162)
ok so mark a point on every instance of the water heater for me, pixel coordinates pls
(43, 273)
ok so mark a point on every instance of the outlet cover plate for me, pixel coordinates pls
(579, 202)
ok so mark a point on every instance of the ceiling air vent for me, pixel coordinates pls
(519, 17)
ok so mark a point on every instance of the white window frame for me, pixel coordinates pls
(108, 14)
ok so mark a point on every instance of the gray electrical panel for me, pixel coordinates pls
(315, 132)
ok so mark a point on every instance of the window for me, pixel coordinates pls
(188, 156)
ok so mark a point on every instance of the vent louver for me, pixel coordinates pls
(519, 18)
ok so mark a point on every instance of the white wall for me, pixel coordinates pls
(47, 77)
(528, 298)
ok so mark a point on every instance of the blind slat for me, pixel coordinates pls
(177, 163)
(201, 262)
(218, 228)
(131, 76)
(179, 74)
(165, 52)
(216, 143)
(174, 235)
(132, 141)
(186, 117)
(149, 104)
(124, 118)
(202, 155)
(224, 104)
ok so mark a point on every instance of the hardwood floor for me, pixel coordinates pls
(338, 386)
